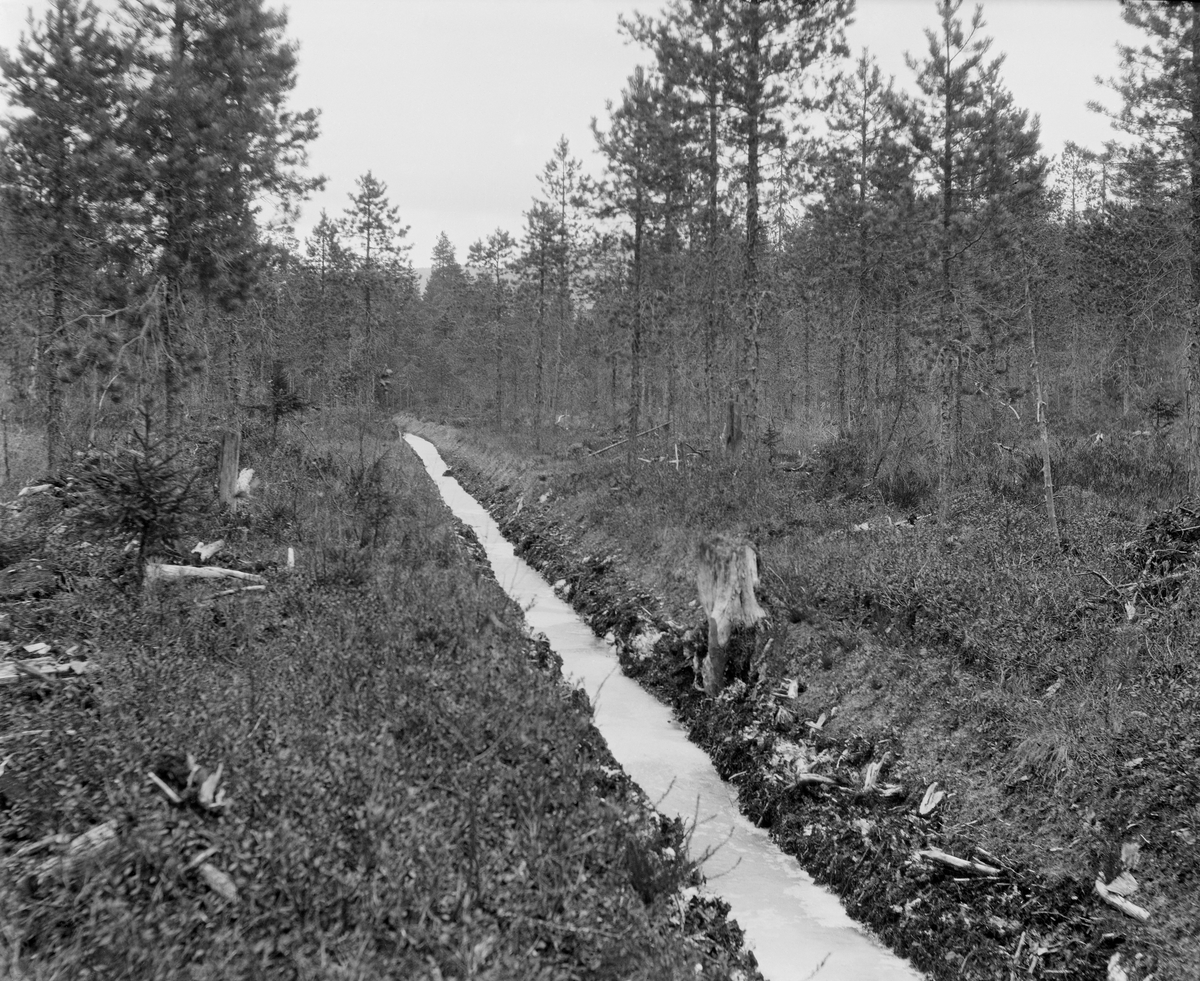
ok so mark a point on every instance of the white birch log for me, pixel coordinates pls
(162, 571)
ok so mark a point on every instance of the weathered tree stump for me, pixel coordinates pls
(726, 574)
(227, 479)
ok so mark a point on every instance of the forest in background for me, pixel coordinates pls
(784, 242)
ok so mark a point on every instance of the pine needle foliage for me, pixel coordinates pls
(141, 491)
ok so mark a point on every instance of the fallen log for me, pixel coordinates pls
(163, 571)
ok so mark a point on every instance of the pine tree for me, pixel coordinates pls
(983, 154)
(1160, 94)
(372, 224)
(540, 258)
(567, 192)
(214, 137)
(493, 259)
(769, 44)
(446, 291)
(58, 170)
(689, 46)
(328, 269)
(644, 185)
(863, 171)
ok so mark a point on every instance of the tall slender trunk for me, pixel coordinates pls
(49, 371)
(635, 347)
(1042, 424)
(711, 273)
(1193, 350)
(748, 383)
(539, 389)
(947, 358)
(499, 352)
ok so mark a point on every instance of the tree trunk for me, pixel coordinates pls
(635, 348)
(726, 575)
(51, 384)
(748, 387)
(945, 371)
(539, 389)
(1193, 366)
(1043, 426)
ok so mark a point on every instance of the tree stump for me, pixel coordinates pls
(227, 479)
(726, 574)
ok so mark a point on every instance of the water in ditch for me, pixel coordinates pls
(796, 929)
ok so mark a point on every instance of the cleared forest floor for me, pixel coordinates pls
(366, 770)
(1051, 694)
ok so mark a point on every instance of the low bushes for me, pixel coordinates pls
(409, 793)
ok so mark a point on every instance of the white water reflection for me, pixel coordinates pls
(792, 925)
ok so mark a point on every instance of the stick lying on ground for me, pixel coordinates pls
(960, 864)
(620, 442)
(1119, 902)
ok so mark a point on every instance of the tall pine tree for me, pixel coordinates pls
(59, 170)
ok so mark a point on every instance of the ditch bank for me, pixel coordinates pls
(983, 919)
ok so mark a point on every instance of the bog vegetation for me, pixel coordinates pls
(886, 288)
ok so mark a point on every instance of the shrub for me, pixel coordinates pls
(139, 491)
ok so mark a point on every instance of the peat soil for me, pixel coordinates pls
(867, 846)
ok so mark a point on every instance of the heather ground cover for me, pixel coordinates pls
(1050, 692)
(366, 770)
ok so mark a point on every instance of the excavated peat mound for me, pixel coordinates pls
(865, 846)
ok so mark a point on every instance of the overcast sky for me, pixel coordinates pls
(457, 104)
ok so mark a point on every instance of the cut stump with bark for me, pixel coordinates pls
(726, 574)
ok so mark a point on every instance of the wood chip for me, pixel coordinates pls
(959, 864)
(29, 669)
(815, 778)
(231, 592)
(34, 847)
(200, 859)
(41, 668)
(930, 801)
(1124, 905)
(205, 552)
(1123, 885)
(92, 842)
(173, 797)
(218, 882)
